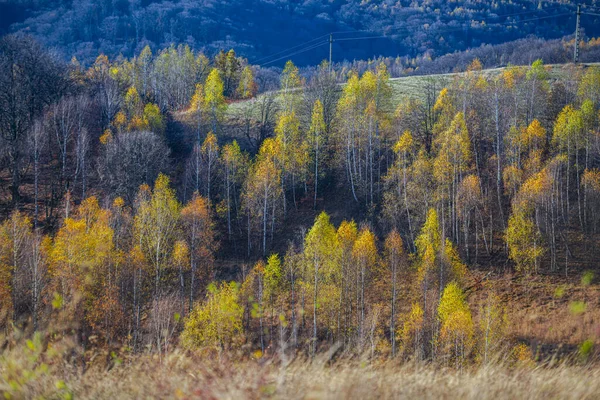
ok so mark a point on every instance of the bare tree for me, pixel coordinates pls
(130, 160)
(30, 79)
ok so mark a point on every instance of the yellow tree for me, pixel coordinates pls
(132, 104)
(294, 151)
(394, 258)
(321, 253)
(349, 116)
(457, 328)
(217, 322)
(199, 234)
(210, 155)
(229, 67)
(411, 334)
(263, 188)
(469, 202)
(246, 87)
(181, 256)
(347, 233)
(403, 149)
(290, 88)
(272, 280)
(155, 227)
(196, 108)
(153, 119)
(537, 77)
(235, 166)
(428, 245)
(366, 258)
(214, 100)
(80, 267)
(452, 161)
(589, 85)
(523, 241)
(567, 136)
(316, 139)
(591, 183)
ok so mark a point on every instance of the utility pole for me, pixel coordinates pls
(576, 55)
(331, 49)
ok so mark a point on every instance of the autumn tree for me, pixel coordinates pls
(457, 329)
(263, 189)
(366, 258)
(235, 168)
(568, 137)
(294, 152)
(200, 241)
(246, 87)
(196, 108)
(214, 100)
(317, 138)
(411, 333)
(396, 197)
(363, 119)
(155, 226)
(523, 240)
(290, 85)
(394, 257)
(80, 268)
(453, 159)
(215, 323)
(210, 156)
(347, 233)
(321, 252)
(229, 66)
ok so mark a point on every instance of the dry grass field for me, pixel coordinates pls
(187, 376)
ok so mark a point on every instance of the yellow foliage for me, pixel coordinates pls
(457, 329)
(106, 137)
(523, 240)
(410, 333)
(217, 322)
(428, 244)
(405, 143)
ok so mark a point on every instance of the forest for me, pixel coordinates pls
(171, 208)
(258, 30)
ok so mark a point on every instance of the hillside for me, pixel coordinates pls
(311, 232)
(263, 30)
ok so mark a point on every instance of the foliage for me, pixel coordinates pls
(217, 322)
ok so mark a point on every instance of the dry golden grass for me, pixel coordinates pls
(25, 373)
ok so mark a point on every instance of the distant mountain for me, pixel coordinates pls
(258, 29)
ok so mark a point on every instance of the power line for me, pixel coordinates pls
(404, 30)
(363, 37)
(295, 53)
(288, 49)
(310, 45)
